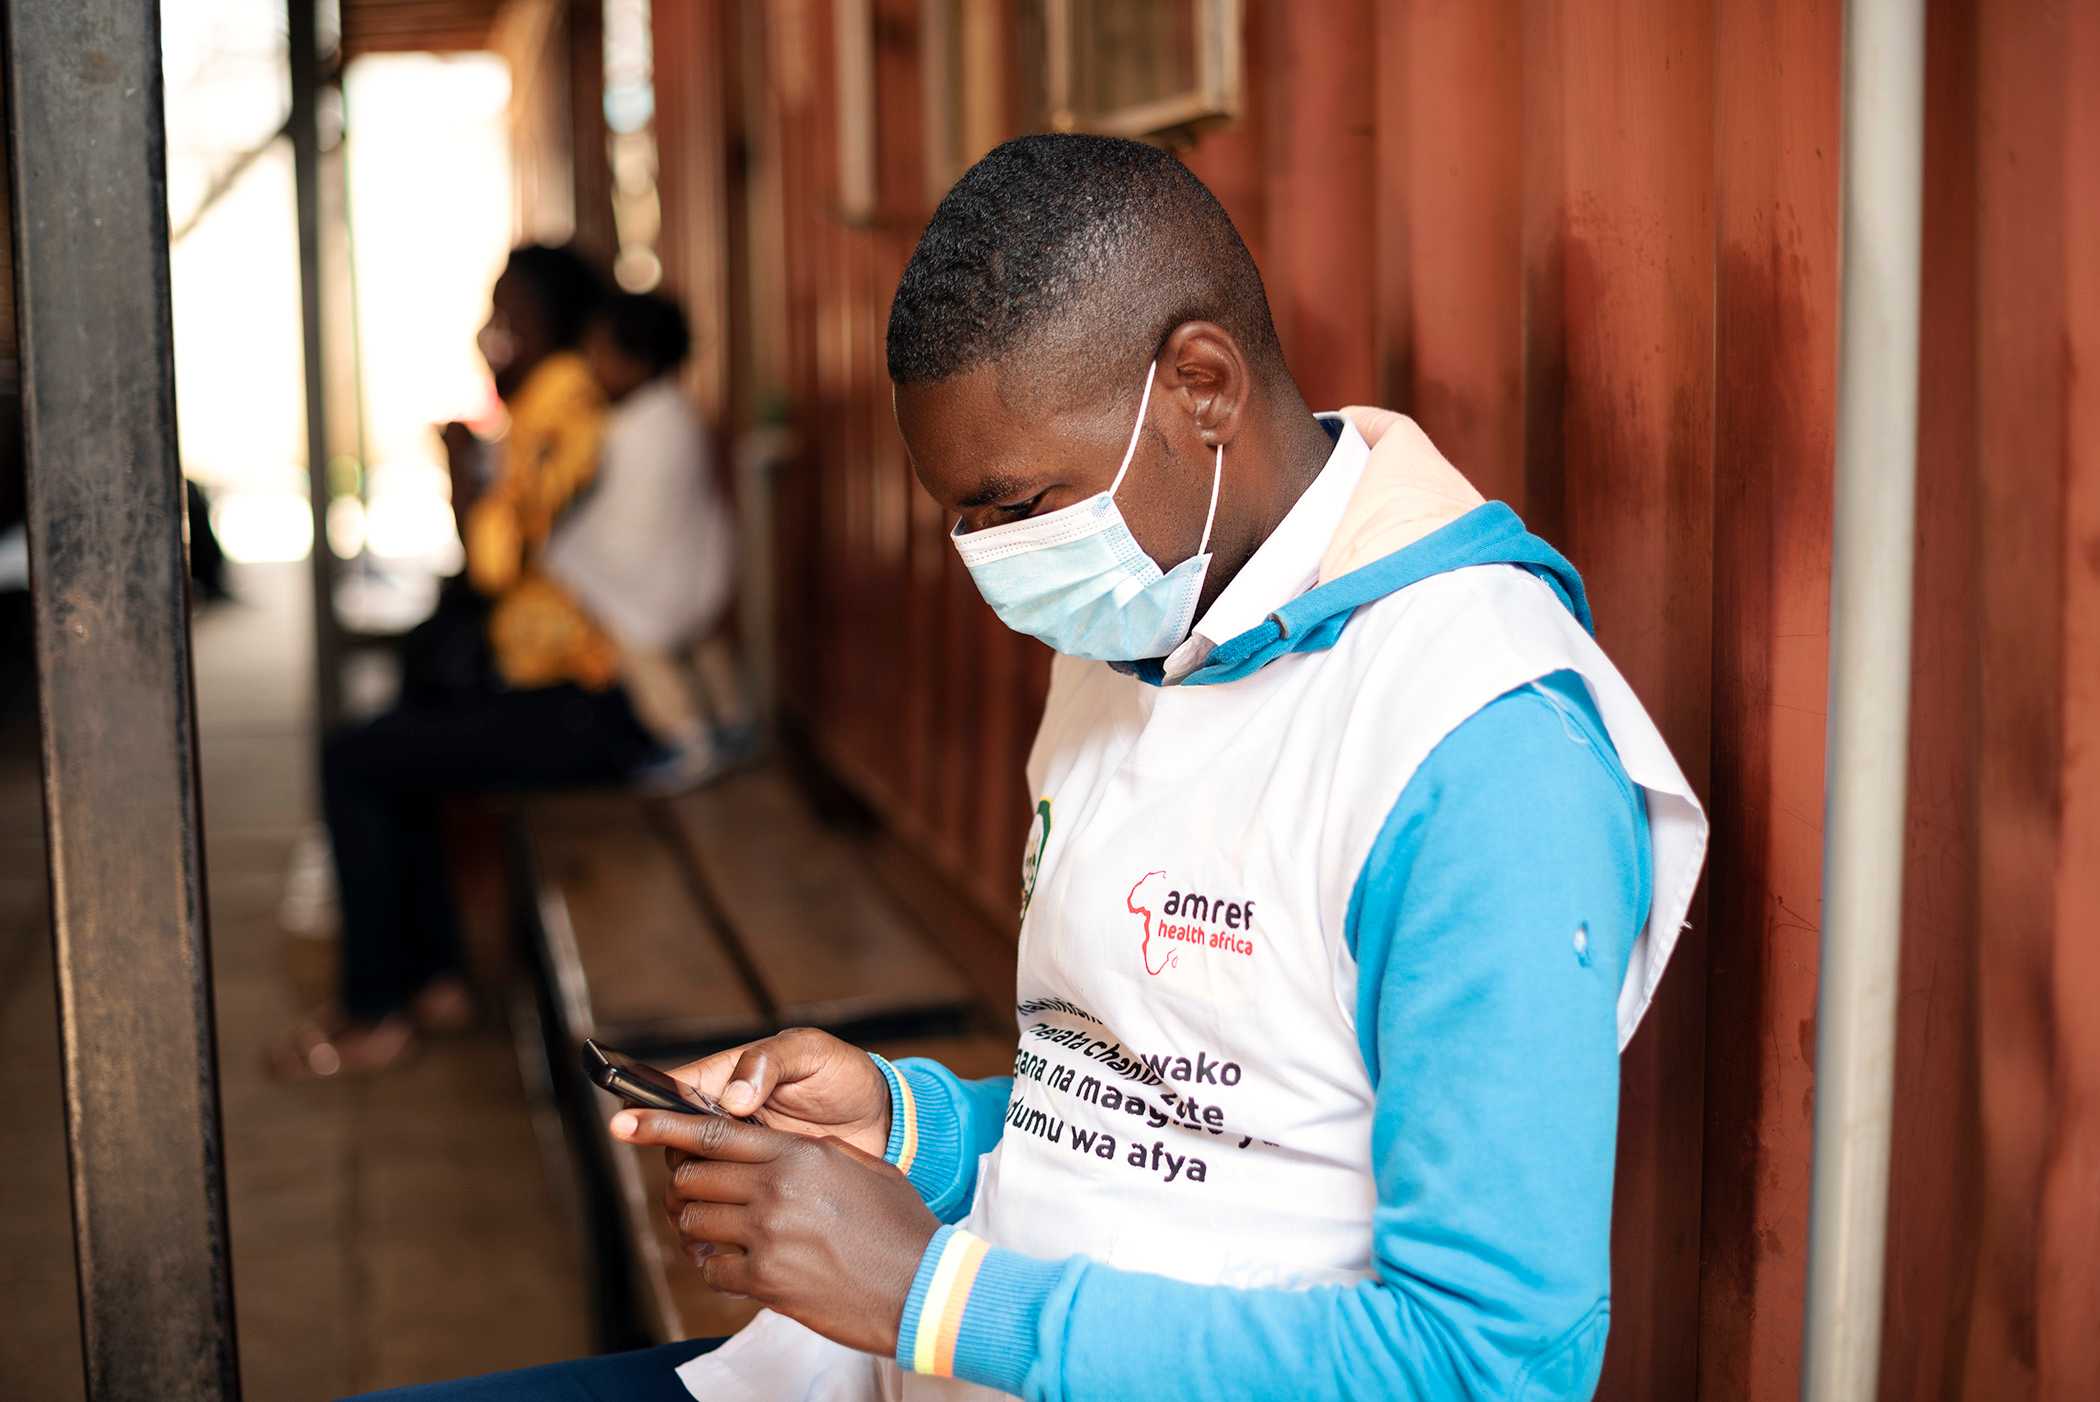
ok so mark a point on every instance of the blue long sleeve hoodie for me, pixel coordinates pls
(1491, 924)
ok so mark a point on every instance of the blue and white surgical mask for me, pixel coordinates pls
(1077, 578)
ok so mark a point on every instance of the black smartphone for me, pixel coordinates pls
(640, 1084)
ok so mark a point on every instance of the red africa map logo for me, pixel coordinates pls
(1187, 917)
(1170, 958)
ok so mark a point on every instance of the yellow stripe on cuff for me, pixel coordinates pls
(958, 1301)
(908, 1145)
(940, 1314)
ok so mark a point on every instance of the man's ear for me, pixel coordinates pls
(1204, 370)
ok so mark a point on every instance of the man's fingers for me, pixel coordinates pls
(787, 1056)
(763, 1066)
(743, 1077)
(757, 1071)
(703, 1136)
(727, 1271)
(708, 1180)
(709, 1073)
(713, 1224)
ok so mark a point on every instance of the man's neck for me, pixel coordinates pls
(1293, 440)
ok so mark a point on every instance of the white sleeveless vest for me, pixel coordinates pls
(1190, 1098)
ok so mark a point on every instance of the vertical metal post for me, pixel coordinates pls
(306, 173)
(110, 591)
(1869, 727)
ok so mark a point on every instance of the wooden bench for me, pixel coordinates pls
(671, 928)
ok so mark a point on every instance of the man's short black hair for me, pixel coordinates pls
(566, 286)
(1090, 249)
(649, 327)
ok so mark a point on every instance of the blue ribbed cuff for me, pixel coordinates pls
(898, 1119)
(915, 1302)
(926, 1134)
(975, 1312)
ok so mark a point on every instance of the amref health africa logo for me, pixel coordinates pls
(1173, 919)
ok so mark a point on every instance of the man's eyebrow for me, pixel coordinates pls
(997, 488)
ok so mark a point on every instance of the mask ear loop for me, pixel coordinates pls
(1135, 429)
(1217, 471)
(1217, 475)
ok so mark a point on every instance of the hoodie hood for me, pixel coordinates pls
(1411, 516)
(1408, 490)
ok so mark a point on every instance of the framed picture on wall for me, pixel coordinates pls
(1139, 68)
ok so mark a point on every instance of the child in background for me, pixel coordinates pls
(650, 552)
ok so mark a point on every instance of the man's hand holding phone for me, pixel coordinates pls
(803, 1081)
(797, 1209)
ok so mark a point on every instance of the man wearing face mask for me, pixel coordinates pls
(1355, 865)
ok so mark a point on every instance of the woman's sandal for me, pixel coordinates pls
(331, 1048)
(445, 1007)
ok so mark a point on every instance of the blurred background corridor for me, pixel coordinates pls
(1592, 247)
(353, 1200)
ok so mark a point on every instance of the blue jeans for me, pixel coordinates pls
(644, 1376)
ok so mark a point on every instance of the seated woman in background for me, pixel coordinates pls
(514, 686)
(650, 551)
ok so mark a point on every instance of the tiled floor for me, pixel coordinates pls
(395, 1231)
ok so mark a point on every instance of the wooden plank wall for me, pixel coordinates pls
(1593, 247)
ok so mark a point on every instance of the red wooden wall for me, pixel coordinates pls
(890, 664)
(1593, 247)
(1994, 1284)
